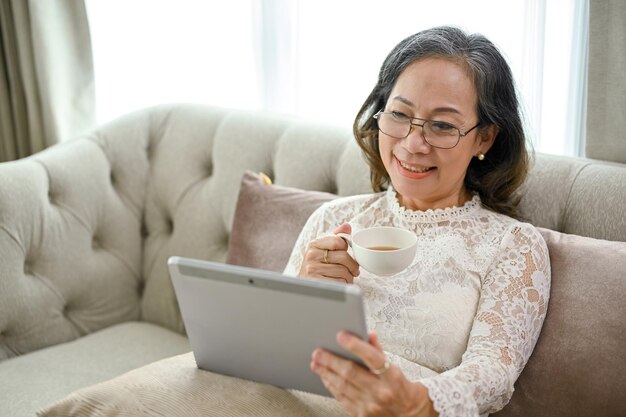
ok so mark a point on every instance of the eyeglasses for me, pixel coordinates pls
(437, 134)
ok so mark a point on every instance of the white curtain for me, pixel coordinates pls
(606, 121)
(319, 59)
(276, 40)
(46, 74)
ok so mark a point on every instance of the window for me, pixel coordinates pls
(319, 59)
(149, 52)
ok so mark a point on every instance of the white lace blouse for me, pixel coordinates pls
(465, 316)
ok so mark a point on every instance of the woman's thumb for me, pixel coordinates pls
(344, 228)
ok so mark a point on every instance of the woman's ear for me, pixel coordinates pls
(486, 137)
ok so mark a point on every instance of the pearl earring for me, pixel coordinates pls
(480, 156)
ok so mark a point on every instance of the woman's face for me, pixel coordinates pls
(423, 176)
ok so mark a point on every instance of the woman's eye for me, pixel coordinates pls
(441, 126)
(399, 115)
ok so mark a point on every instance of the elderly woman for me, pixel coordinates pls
(442, 134)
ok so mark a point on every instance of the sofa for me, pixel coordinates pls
(87, 226)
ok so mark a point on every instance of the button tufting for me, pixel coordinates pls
(170, 226)
(28, 269)
(209, 168)
(95, 242)
(112, 178)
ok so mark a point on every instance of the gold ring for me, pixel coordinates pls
(325, 260)
(382, 369)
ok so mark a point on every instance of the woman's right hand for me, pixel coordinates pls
(327, 257)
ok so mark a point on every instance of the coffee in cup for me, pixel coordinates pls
(383, 248)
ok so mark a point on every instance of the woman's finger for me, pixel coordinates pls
(313, 267)
(341, 257)
(334, 272)
(330, 242)
(338, 386)
(373, 339)
(347, 390)
(353, 373)
(339, 274)
(372, 355)
(342, 390)
(328, 257)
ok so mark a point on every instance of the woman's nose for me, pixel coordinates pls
(415, 142)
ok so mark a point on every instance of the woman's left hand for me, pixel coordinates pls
(360, 390)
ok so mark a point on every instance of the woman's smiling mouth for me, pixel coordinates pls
(409, 169)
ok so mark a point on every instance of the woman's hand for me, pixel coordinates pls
(364, 393)
(327, 257)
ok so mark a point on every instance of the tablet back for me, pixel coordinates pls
(262, 325)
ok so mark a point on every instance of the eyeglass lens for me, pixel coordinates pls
(438, 134)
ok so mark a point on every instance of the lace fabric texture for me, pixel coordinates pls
(464, 318)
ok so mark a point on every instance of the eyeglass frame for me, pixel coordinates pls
(411, 125)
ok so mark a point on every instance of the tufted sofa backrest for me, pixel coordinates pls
(86, 227)
(198, 159)
(70, 242)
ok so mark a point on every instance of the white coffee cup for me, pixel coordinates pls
(382, 250)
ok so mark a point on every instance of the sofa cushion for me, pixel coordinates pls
(176, 387)
(267, 222)
(578, 367)
(34, 380)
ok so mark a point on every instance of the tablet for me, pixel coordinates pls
(262, 325)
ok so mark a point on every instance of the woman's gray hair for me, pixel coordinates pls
(497, 104)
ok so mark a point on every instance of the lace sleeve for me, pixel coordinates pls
(511, 310)
(412, 371)
(311, 230)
